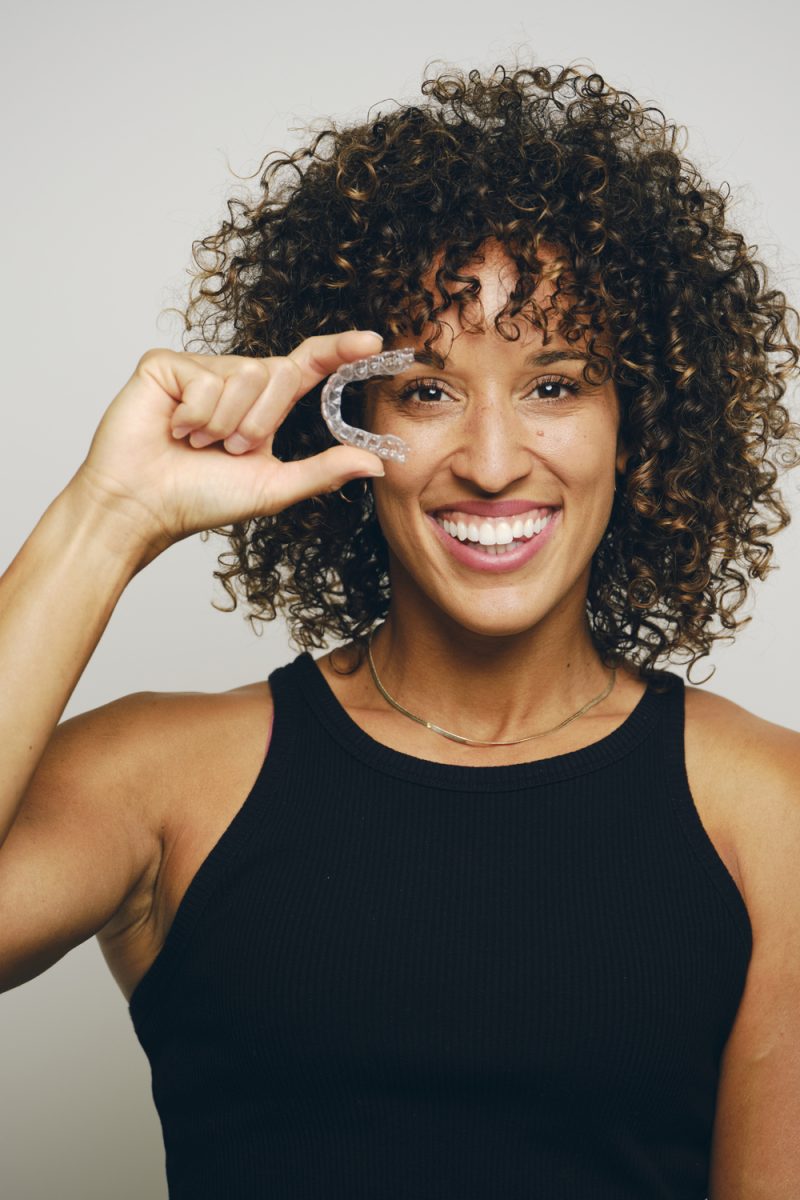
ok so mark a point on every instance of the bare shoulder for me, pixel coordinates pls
(755, 764)
(726, 718)
(185, 744)
(170, 712)
(157, 735)
(86, 851)
(173, 752)
(749, 770)
(192, 759)
(748, 749)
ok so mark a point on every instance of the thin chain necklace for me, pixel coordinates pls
(455, 737)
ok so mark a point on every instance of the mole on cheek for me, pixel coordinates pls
(540, 433)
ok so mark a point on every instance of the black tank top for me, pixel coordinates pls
(393, 979)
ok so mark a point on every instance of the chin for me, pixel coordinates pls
(496, 625)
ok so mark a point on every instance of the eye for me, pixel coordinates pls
(552, 383)
(421, 392)
(425, 393)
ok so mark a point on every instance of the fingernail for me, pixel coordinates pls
(181, 431)
(374, 333)
(199, 440)
(237, 444)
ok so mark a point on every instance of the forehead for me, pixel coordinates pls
(473, 310)
(498, 274)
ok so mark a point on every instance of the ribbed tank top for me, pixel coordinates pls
(394, 978)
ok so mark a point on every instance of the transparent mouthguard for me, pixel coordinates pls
(388, 362)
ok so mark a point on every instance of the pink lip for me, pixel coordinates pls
(464, 552)
(490, 508)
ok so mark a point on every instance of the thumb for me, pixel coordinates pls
(327, 472)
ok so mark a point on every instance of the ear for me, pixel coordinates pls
(623, 454)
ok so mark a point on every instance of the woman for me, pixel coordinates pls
(505, 910)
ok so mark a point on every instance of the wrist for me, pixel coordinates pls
(122, 527)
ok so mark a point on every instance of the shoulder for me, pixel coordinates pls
(755, 764)
(167, 716)
(713, 707)
(187, 756)
(748, 749)
(147, 727)
(165, 749)
(751, 766)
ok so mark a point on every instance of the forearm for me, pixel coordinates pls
(56, 598)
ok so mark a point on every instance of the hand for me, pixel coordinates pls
(170, 487)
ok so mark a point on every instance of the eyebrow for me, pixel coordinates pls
(539, 358)
(543, 358)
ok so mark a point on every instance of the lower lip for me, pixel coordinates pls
(480, 560)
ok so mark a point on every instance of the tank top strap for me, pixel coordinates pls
(299, 739)
(289, 714)
(242, 832)
(670, 733)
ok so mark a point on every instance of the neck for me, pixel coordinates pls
(492, 688)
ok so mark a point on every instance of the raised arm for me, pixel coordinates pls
(75, 833)
(56, 599)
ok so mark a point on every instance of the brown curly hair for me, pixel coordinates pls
(342, 236)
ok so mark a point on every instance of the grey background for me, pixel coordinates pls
(121, 127)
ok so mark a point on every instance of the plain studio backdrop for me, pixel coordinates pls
(123, 127)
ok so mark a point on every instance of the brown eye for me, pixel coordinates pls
(550, 386)
(421, 392)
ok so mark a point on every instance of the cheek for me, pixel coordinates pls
(581, 453)
(395, 500)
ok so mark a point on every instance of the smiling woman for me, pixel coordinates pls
(506, 909)
(490, 426)
(587, 196)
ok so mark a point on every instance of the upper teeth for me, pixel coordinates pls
(491, 531)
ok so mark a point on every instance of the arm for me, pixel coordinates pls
(87, 841)
(74, 840)
(756, 1145)
(77, 832)
(56, 599)
(139, 490)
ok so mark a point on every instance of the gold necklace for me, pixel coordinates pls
(455, 737)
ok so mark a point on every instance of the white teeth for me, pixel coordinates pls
(496, 536)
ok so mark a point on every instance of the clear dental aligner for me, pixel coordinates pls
(388, 362)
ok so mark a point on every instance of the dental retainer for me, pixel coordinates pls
(388, 362)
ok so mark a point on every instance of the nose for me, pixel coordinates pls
(492, 451)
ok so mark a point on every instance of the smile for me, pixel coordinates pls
(497, 534)
(495, 544)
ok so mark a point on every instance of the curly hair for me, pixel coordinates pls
(343, 235)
